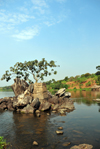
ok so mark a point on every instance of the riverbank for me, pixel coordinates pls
(6, 89)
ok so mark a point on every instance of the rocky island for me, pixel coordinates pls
(33, 97)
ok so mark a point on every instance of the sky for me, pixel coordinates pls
(66, 31)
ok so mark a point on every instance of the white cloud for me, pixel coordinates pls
(15, 18)
(61, 1)
(40, 3)
(49, 23)
(26, 34)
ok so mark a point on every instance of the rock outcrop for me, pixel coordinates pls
(19, 86)
(29, 98)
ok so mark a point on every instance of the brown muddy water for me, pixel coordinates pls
(80, 126)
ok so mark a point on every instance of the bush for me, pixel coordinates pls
(87, 75)
(66, 78)
(3, 143)
(98, 80)
(57, 85)
(71, 78)
(88, 83)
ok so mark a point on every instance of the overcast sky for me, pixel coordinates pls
(66, 31)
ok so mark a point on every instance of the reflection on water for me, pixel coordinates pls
(80, 126)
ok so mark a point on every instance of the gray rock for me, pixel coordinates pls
(3, 106)
(27, 109)
(22, 101)
(19, 86)
(60, 92)
(53, 100)
(35, 103)
(67, 104)
(45, 106)
(67, 94)
(31, 88)
(55, 107)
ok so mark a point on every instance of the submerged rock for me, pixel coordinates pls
(66, 143)
(82, 146)
(60, 128)
(59, 132)
(35, 143)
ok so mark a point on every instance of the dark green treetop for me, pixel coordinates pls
(38, 69)
(98, 67)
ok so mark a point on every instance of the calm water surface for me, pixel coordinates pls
(80, 126)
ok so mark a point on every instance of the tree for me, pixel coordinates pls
(98, 67)
(66, 78)
(38, 69)
(98, 72)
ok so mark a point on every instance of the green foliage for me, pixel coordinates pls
(38, 69)
(98, 67)
(66, 78)
(97, 73)
(57, 85)
(88, 84)
(87, 75)
(6, 88)
(98, 80)
(63, 82)
(80, 80)
(3, 144)
(71, 78)
(92, 75)
(80, 85)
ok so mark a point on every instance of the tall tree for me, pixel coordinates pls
(38, 69)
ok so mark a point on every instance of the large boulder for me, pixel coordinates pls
(31, 88)
(19, 86)
(3, 106)
(35, 103)
(22, 101)
(53, 100)
(67, 104)
(45, 106)
(60, 92)
(27, 109)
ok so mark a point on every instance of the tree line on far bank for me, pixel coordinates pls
(40, 69)
(79, 79)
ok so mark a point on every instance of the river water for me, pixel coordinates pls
(80, 126)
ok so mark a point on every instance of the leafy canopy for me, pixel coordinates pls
(38, 69)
